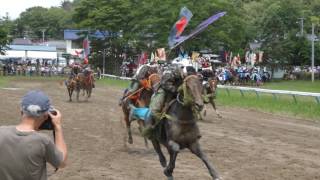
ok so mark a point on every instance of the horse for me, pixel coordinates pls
(209, 93)
(71, 85)
(179, 129)
(85, 82)
(143, 97)
(209, 84)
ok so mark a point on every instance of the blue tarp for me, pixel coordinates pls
(74, 34)
(141, 113)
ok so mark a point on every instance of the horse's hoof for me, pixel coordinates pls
(130, 141)
(170, 178)
(163, 163)
(167, 173)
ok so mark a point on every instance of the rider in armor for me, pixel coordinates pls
(86, 70)
(136, 82)
(168, 89)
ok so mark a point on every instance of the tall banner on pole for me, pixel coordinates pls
(180, 25)
(196, 31)
(86, 49)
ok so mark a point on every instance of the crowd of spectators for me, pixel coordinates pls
(29, 70)
(302, 72)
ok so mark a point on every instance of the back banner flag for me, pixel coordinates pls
(198, 29)
(180, 25)
(86, 49)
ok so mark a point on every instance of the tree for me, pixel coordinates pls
(4, 39)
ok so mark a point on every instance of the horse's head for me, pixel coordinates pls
(192, 92)
(154, 81)
(213, 83)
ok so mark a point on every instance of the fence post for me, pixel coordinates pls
(318, 99)
(295, 99)
(228, 91)
(274, 96)
(241, 93)
(257, 93)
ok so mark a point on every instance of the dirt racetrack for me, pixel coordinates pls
(244, 145)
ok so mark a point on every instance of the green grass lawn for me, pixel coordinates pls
(306, 86)
(114, 82)
(3, 81)
(306, 107)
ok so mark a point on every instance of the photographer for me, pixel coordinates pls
(23, 151)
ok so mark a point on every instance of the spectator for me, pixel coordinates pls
(24, 151)
(98, 73)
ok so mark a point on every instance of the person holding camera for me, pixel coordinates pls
(24, 151)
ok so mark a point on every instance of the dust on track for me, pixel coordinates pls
(245, 144)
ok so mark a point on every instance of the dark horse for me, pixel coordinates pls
(179, 129)
(144, 97)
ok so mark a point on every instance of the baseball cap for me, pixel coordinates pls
(35, 103)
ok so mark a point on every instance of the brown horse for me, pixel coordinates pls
(209, 93)
(210, 84)
(85, 82)
(71, 84)
(179, 129)
(144, 97)
(80, 81)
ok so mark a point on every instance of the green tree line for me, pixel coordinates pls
(145, 25)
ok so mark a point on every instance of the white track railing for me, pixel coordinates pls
(257, 91)
(294, 94)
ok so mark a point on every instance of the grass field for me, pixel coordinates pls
(306, 86)
(3, 81)
(306, 107)
(113, 82)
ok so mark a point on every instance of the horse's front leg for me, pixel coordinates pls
(70, 94)
(78, 92)
(173, 150)
(141, 126)
(128, 126)
(88, 95)
(214, 107)
(157, 148)
(195, 149)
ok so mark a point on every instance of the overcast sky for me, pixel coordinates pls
(15, 7)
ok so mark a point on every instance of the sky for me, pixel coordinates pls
(15, 7)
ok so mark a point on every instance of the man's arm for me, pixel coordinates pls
(59, 139)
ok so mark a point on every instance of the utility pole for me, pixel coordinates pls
(312, 51)
(104, 61)
(43, 30)
(301, 26)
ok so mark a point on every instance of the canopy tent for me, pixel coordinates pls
(27, 51)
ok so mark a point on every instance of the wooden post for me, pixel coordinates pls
(295, 99)
(318, 99)
(242, 94)
(228, 91)
(257, 93)
(274, 96)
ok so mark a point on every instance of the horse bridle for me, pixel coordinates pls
(184, 81)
